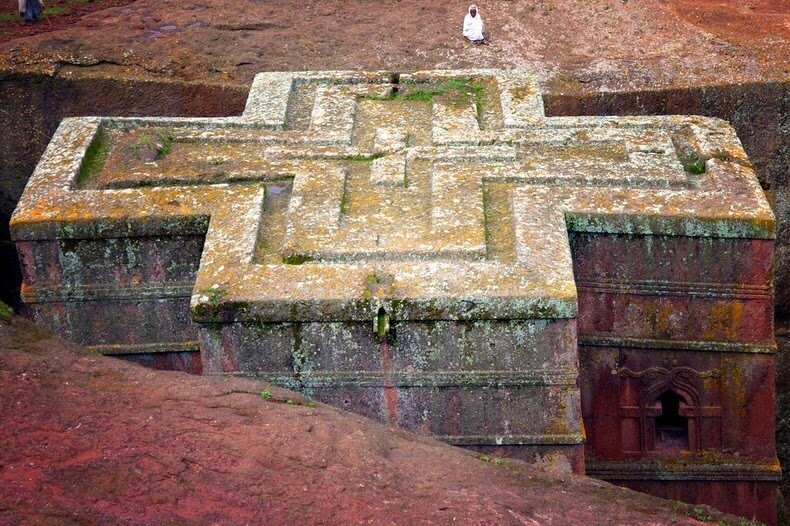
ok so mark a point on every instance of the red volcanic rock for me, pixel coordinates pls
(93, 440)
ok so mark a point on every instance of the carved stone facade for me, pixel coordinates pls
(432, 251)
(666, 409)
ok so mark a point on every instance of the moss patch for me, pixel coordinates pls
(152, 146)
(5, 311)
(95, 157)
(693, 164)
(296, 259)
(363, 158)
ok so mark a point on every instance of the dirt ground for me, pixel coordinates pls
(160, 447)
(607, 43)
(58, 14)
(741, 21)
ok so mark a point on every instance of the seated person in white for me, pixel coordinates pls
(473, 26)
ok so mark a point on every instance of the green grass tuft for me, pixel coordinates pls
(493, 460)
(164, 146)
(464, 88)
(159, 143)
(700, 515)
(461, 85)
(10, 17)
(56, 10)
(215, 295)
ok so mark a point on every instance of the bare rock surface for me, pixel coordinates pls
(93, 440)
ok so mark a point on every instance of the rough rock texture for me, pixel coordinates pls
(593, 57)
(399, 246)
(783, 413)
(598, 57)
(166, 447)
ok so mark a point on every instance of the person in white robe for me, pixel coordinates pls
(30, 10)
(473, 26)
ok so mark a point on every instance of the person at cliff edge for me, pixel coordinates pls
(473, 26)
(30, 10)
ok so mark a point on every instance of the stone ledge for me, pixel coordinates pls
(463, 379)
(724, 471)
(702, 346)
(144, 348)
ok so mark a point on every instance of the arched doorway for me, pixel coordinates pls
(671, 427)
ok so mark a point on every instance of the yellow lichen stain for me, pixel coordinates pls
(724, 321)
(659, 320)
(735, 389)
(522, 92)
(558, 423)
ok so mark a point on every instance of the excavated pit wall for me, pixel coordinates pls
(32, 106)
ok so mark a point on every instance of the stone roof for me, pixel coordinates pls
(437, 195)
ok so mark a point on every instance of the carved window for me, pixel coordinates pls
(661, 410)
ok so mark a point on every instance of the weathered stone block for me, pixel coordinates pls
(421, 249)
(472, 383)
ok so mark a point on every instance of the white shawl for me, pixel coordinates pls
(473, 26)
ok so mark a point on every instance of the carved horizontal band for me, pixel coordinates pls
(114, 292)
(676, 345)
(566, 378)
(759, 472)
(568, 439)
(58, 294)
(664, 288)
(145, 348)
(637, 412)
